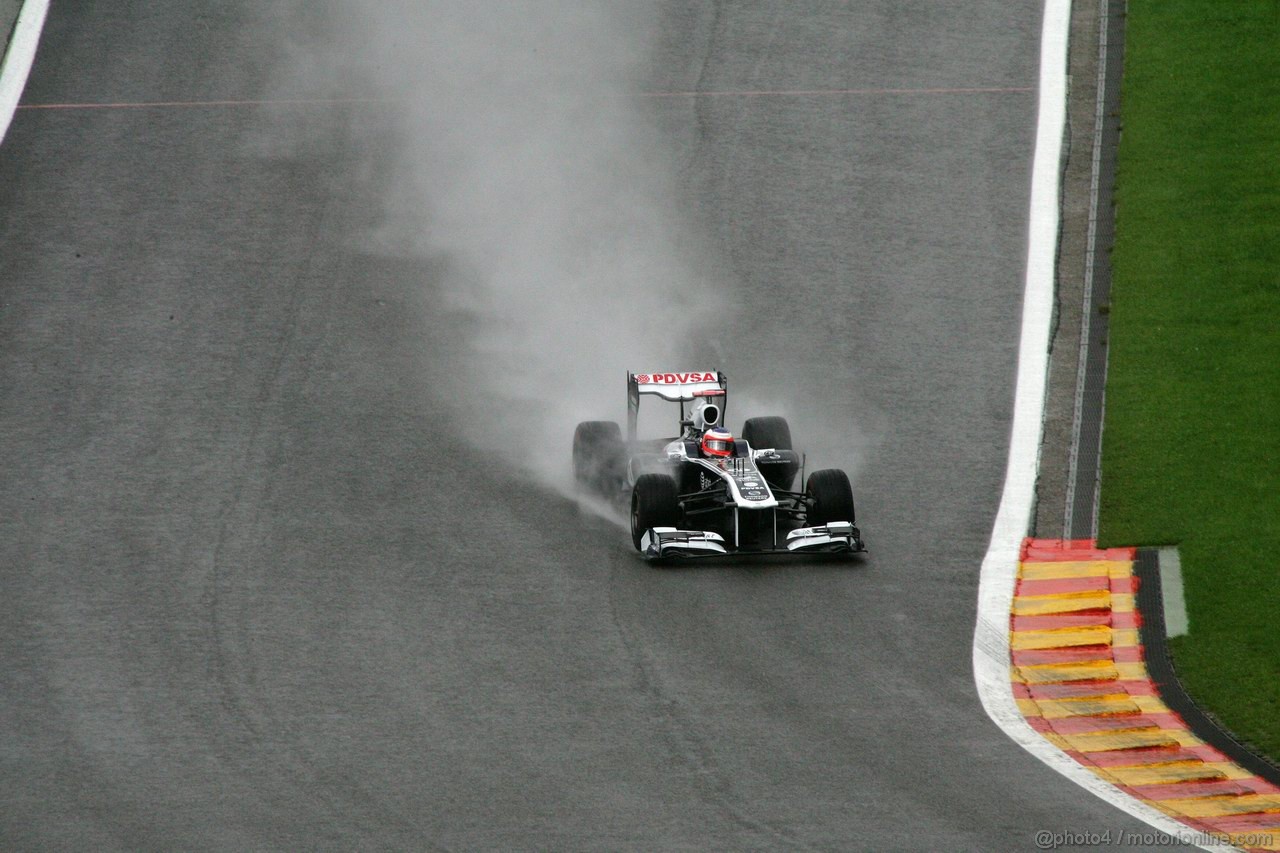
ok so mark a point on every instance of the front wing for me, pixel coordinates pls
(837, 537)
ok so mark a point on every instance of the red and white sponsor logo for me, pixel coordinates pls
(673, 378)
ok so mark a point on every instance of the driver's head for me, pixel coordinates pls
(717, 442)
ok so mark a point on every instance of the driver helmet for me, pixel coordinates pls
(717, 442)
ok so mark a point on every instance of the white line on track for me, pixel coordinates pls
(991, 657)
(1171, 594)
(18, 58)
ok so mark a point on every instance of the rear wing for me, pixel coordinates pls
(674, 387)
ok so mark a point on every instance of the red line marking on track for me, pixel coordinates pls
(138, 105)
(745, 93)
(815, 93)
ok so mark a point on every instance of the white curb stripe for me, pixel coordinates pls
(991, 658)
(16, 64)
(1173, 599)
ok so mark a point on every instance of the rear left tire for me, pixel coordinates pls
(599, 457)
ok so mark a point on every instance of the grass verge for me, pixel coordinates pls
(1192, 435)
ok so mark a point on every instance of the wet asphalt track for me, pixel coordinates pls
(238, 612)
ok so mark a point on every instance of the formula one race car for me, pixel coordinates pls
(704, 492)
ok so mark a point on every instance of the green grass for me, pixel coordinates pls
(1192, 437)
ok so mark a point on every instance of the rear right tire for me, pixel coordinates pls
(655, 502)
(766, 432)
(773, 432)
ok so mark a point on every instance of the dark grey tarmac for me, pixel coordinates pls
(259, 591)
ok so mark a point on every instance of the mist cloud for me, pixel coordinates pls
(534, 187)
(528, 167)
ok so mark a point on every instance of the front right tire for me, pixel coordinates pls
(655, 502)
(830, 497)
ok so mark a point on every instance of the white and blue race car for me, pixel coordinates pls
(704, 492)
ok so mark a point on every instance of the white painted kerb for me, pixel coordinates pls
(16, 64)
(1171, 594)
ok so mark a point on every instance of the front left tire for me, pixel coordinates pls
(655, 502)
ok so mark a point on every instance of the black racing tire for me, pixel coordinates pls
(599, 456)
(766, 432)
(830, 497)
(655, 502)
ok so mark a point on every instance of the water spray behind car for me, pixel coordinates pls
(558, 245)
(537, 184)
